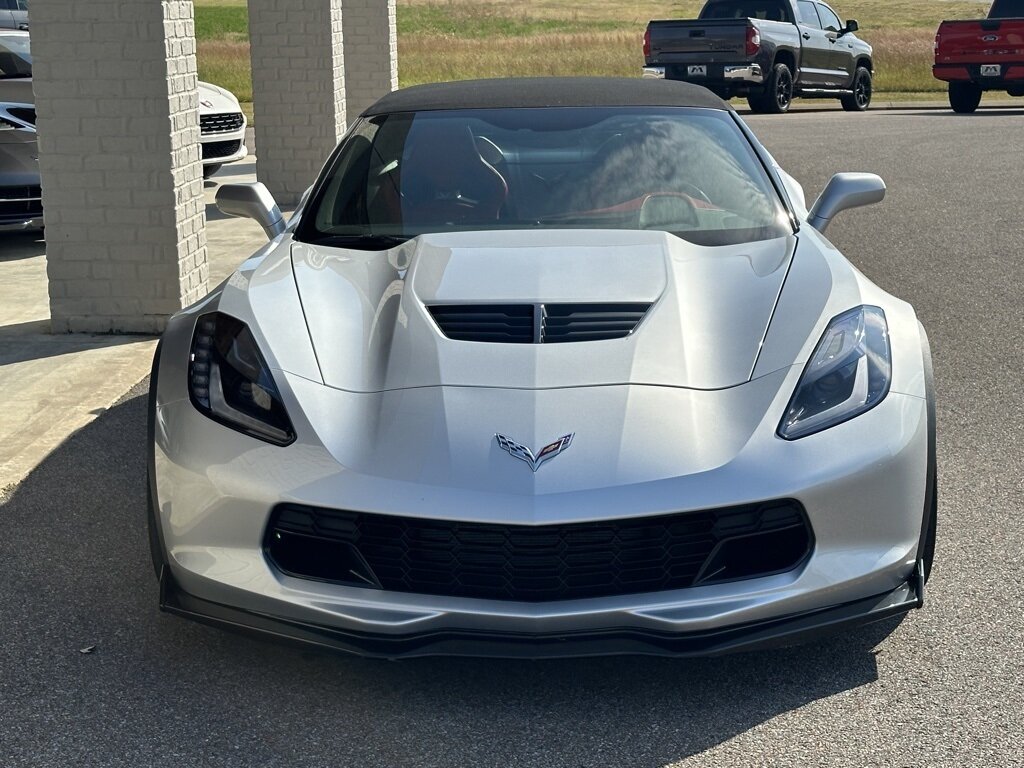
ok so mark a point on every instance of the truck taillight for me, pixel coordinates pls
(647, 43)
(938, 38)
(753, 40)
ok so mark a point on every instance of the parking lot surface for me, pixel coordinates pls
(944, 687)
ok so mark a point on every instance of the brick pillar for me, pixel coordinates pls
(298, 84)
(117, 103)
(371, 52)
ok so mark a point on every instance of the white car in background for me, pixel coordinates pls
(222, 127)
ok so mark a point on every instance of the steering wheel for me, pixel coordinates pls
(694, 191)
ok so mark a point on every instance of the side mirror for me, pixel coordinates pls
(252, 201)
(851, 26)
(845, 191)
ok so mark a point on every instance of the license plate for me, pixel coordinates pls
(991, 70)
(697, 70)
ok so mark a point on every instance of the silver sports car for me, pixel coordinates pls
(545, 368)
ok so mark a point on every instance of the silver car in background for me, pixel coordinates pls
(14, 14)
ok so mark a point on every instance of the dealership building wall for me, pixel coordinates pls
(116, 96)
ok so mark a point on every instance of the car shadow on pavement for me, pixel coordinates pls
(21, 245)
(92, 669)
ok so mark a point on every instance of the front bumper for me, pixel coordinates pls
(20, 210)
(862, 484)
(21, 225)
(220, 146)
(771, 633)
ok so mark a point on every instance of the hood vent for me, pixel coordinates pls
(537, 323)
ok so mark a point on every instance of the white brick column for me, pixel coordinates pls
(371, 52)
(117, 103)
(298, 84)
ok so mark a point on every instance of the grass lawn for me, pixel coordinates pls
(458, 39)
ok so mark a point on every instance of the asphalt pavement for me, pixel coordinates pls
(943, 688)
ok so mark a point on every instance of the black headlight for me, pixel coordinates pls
(230, 382)
(848, 374)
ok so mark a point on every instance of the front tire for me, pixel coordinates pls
(777, 96)
(860, 99)
(964, 98)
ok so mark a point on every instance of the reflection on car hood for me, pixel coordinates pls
(371, 329)
(19, 159)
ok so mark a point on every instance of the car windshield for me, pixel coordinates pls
(691, 172)
(15, 57)
(765, 10)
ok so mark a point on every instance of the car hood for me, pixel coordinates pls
(214, 100)
(19, 159)
(368, 317)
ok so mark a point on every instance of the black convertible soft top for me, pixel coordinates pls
(529, 92)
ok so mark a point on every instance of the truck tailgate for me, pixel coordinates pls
(963, 42)
(705, 41)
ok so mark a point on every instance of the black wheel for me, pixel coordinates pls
(860, 99)
(777, 95)
(209, 170)
(964, 97)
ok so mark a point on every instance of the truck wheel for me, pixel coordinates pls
(964, 97)
(777, 95)
(860, 99)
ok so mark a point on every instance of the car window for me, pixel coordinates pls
(808, 15)
(15, 57)
(1007, 9)
(21, 5)
(829, 21)
(766, 10)
(691, 172)
(6, 5)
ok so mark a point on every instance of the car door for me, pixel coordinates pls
(816, 48)
(20, 13)
(6, 15)
(841, 55)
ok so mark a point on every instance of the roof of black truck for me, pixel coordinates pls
(533, 92)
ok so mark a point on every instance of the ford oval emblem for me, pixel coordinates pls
(990, 38)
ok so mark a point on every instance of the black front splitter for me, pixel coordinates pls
(788, 630)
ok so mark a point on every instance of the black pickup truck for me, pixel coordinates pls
(767, 50)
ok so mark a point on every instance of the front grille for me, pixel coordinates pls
(223, 123)
(538, 563)
(216, 149)
(20, 203)
(537, 323)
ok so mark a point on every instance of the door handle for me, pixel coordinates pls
(806, 36)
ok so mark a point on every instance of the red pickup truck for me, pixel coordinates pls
(982, 55)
